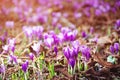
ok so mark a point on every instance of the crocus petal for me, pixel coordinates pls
(72, 62)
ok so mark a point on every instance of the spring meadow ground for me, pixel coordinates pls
(59, 39)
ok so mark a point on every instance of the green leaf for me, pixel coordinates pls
(111, 59)
(0, 78)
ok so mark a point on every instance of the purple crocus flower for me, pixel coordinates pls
(13, 58)
(60, 37)
(84, 35)
(98, 12)
(91, 30)
(71, 62)
(11, 43)
(49, 41)
(9, 24)
(71, 35)
(117, 46)
(56, 39)
(66, 51)
(85, 51)
(117, 24)
(55, 50)
(37, 30)
(2, 68)
(28, 31)
(75, 44)
(112, 50)
(31, 55)
(5, 48)
(75, 51)
(25, 66)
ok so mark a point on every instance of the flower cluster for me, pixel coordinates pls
(10, 46)
(71, 53)
(85, 50)
(33, 32)
(115, 48)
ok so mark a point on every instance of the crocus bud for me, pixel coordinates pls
(84, 35)
(25, 66)
(31, 55)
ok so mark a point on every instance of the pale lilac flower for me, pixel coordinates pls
(25, 66)
(61, 37)
(95, 39)
(65, 30)
(5, 11)
(2, 68)
(75, 44)
(98, 12)
(5, 48)
(9, 24)
(12, 58)
(36, 47)
(49, 41)
(37, 31)
(28, 31)
(77, 15)
(11, 41)
(91, 30)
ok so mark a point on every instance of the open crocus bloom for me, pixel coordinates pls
(85, 51)
(13, 58)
